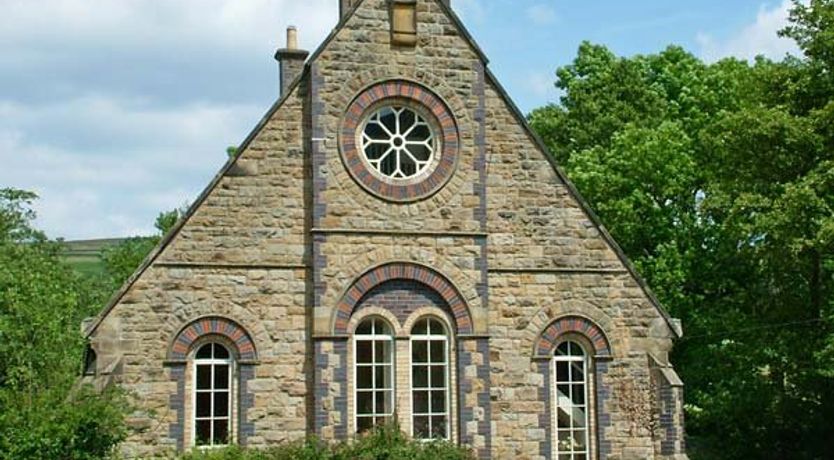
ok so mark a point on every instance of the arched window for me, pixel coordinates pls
(212, 395)
(430, 380)
(570, 364)
(374, 373)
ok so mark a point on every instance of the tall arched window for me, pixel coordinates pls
(212, 395)
(430, 380)
(570, 364)
(374, 373)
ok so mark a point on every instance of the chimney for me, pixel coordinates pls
(290, 60)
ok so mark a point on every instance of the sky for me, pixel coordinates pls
(114, 110)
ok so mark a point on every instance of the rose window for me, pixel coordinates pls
(398, 142)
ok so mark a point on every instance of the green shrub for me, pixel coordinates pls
(386, 443)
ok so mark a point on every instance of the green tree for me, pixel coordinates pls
(717, 181)
(122, 260)
(45, 412)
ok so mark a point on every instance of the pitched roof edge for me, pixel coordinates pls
(586, 208)
(169, 237)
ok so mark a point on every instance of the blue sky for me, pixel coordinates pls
(113, 110)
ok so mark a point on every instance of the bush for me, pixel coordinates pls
(386, 443)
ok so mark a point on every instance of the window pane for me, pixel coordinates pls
(203, 377)
(364, 403)
(203, 408)
(363, 351)
(384, 403)
(438, 427)
(221, 432)
(579, 419)
(220, 352)
(579, 394)
(579, 440)
(205, 351)
(438, 401)
(438, 351)
(563, 349)
(389, 120)
(364, 377)
(421, 402)
(562, 371)
(365, 328)
(364, 423)
(420, 376)
(221, 404)
(421, 328)
(438, 377)
(419, 351)
(221, 377)
(576, 371)
(421, 427)
(563, 417)
(202, 434)
(420, 133)
(565, 441)
(383, 351)
(383, 377)
(407, 120)
(437, 328)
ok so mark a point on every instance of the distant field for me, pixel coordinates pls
(85, 255)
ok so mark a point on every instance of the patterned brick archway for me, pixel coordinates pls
(402, 271)
(549, 338)
(218, 326)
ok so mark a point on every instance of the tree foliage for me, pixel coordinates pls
(717, 181)
(122, 260)
(384, 443)
(44, 411)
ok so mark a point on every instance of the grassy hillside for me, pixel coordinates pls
(85, 255)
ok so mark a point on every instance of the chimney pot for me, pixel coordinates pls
(292, 38)
(290, 60)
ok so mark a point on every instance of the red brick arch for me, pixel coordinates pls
(403, 271)
(217, 326)
(552, 335)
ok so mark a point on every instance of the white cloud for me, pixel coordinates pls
(758, 38)
(143, 22)
(540, 84)
(115, 110)
(541, 14)
(150, 160)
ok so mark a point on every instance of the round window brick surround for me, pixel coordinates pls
(408, 94)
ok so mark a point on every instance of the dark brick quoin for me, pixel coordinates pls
(403, 91)
(403, 271)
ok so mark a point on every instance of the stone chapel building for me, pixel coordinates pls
(393, 243)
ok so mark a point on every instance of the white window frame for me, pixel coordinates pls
(558, 401)
(398, 143)
(429, 337)
(374, 337)
(213, 362)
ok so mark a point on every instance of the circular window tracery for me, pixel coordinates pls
(398, 142)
